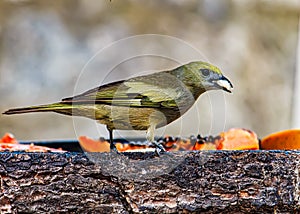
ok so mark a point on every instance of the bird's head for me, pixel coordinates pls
(206, 76)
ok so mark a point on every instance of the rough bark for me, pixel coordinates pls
(206, 182)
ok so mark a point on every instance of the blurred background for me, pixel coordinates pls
(55, 49)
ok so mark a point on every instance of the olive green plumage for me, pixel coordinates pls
(144, 102)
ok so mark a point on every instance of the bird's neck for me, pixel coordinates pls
(196, 91)
(182, 75)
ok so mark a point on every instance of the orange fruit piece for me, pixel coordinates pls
(90, 145)
(238, 139)
(8, 138)
(284, 140)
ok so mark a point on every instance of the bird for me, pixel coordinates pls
(143, 102)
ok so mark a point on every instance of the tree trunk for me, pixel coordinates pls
(202, 181)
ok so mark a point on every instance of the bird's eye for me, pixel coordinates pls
(205, 72)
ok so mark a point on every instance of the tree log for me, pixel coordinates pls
(202, 181)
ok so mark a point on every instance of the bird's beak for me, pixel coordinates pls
(224, 84)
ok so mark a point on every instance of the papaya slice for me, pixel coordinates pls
(233, 139)
(90, 145)
(284, 140)
(9, 143)
(238, 139)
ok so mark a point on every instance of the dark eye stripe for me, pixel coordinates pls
(205, 72)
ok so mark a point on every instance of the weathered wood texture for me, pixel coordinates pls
(206, 182)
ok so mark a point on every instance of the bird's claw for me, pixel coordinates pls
(113, 148)
(159, 149)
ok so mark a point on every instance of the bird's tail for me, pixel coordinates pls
(56, 107)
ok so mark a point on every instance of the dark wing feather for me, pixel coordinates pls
(156, 90)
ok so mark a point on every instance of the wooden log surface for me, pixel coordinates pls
(202, 181)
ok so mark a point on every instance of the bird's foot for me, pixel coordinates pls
(113, 148)
(159, 149)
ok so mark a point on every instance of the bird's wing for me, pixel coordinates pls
(146, 91)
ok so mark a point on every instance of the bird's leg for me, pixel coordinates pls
(111, 140)
(150, 138)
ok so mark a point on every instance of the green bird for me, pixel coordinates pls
(141, 103)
